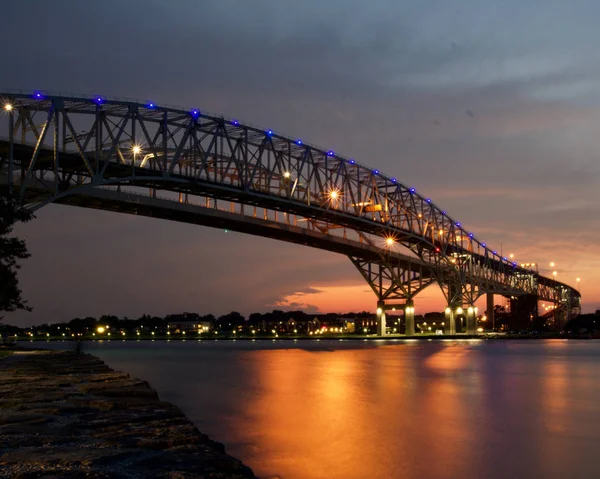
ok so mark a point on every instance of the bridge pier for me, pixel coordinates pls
(560, 318)
(381, 326)
(449, 322)
(409, 318)
(490, 310)
(471, 320)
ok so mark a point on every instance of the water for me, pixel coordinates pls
(389, 409)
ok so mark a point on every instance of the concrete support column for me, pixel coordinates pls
(409, 318)
(381, 318)
(471, 321)
(490, 310)
(568, 316)
(560, 317)
(449, 322)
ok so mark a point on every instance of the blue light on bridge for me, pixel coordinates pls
(270, 132)
(457, 224)
(471, 235)
(330, 153)
(298, 142)
(483, 244)
(38, 95)
(151, 105)
(195, 113)
(376, 172)
(235, 122)
(428, 200)
(351, 162)
(411, 190)
(99, 100)
(394, 180)
(494, 252)
(514, 264)
(443, 212)
(505, 259)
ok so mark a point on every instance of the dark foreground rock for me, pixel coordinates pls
(64, 415)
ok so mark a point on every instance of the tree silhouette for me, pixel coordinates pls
(12, 249)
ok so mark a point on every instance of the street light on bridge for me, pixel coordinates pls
(334, 195)
(136, 149)
(8, 107)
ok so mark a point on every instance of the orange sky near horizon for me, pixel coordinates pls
(357, 298)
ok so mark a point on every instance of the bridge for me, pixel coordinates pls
(188, 166)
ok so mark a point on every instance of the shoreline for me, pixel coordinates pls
(70, 415)
(482, 337)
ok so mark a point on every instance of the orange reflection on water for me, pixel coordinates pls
(329, 426)
(353, 414)
(450, 358)
(555, 381)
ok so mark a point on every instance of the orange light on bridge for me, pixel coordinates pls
(554, 273)
(8, 107)
(287, 174)
(389, 241)
(334, 194)
(136, 149)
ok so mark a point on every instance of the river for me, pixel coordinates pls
(383, 409)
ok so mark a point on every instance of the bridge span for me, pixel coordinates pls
(188, 166)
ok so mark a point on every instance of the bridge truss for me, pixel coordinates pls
(188, 166)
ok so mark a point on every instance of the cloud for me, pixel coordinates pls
(307, 290)
(286, 305)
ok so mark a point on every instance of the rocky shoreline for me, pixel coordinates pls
(64, 415)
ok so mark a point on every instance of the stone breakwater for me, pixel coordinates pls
(64, 415)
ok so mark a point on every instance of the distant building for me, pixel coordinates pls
(350, 325)
(189, 326)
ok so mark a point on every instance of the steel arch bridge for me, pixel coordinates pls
(188, 166)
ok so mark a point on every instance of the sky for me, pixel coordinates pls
(489, 107)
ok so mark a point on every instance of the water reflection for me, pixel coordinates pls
(355, 414)
(399, 410)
